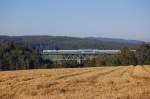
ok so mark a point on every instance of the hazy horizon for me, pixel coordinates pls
(125, 19)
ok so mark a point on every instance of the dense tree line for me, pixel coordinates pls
(126, 57)
(15, 56)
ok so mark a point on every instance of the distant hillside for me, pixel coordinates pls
(61, 42)
(117, 40)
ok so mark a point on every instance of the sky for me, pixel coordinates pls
(128, 19)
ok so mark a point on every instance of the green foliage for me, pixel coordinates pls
(90, 63)
(126, 57)
(143, 54)
(107, 60)
(101, 60)
(14, 56)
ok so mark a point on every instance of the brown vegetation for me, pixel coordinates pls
(126, 82)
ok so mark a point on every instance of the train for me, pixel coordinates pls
(81, 51)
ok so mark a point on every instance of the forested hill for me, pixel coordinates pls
(61, 42)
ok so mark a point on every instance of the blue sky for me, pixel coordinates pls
(129, 19)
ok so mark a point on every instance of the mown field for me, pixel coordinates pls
(122, 82)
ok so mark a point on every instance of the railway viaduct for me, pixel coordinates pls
(77, 55)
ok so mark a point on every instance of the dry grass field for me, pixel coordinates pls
(120, 82)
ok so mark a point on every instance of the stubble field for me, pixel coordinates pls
(122, 82)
